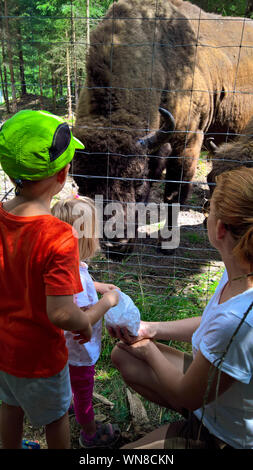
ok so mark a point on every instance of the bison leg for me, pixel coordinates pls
(179, 175)
(181, 167)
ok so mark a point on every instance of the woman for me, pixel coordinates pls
(214, 387)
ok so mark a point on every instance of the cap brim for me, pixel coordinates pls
(78, 143)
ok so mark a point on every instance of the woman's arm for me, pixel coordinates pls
(180, 390)
(178, 330)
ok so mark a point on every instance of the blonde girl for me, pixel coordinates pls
(81, 214)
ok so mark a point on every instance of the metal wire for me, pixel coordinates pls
(145, 250)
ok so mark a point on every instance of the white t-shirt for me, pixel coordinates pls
(85, 354)
(230, 417)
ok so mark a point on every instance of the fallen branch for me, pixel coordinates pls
(137, 410)
(103, 400)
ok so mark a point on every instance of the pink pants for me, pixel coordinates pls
(82, 383)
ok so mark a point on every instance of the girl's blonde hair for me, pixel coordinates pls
(233, 202)
(81, 214)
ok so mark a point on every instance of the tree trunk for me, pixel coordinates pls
(7, 102)
(53, 89)
(88, 23)
(41, 85)
(60, 88)
(4, 81)
(21, 61)
(249, 8)
(74, 60)
(5, 91)
(79, 81)
(68, 80)
(9, 53)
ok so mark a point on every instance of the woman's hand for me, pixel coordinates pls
(141, 349)
(146, 330)
(102, 287)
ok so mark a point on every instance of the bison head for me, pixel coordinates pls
(230, 155)
(116, 169)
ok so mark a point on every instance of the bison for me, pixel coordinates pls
(229, 156)
(196, 67)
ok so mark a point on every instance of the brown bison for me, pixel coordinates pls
(165, 54)
(231, 155)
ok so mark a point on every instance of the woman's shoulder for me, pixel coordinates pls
(242, 306)
(233, 318)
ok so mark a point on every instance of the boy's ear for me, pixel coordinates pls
(62, 175)
(220, 230)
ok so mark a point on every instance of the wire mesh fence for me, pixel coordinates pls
(144, 55)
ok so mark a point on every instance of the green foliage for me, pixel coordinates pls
(224, 7)
(99, 8)
(49, 8)
(41, 35)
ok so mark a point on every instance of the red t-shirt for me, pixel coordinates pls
(38, 257)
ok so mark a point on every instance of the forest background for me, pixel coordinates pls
(44, 44)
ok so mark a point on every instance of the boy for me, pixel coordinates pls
(39, 274)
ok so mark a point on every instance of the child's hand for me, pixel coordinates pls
(83, 336)
(102, 287)
(112, 297)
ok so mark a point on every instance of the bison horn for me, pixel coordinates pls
(210, 144)
(160, 136)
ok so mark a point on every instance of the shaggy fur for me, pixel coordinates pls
(147, 54)
(233, 154)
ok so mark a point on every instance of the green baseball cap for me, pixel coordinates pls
(35, 145)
